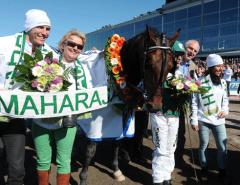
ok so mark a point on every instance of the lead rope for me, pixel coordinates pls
(186, 117)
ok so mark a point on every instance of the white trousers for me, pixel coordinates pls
(164, 131)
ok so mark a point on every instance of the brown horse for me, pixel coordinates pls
(146, 60)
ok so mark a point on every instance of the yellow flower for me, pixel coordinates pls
(42, 80)
(193, 87)
(115, 38)
(58, 70)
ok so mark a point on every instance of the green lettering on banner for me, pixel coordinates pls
(81, 100)
(13, 102)
(95, 98)
(31, 106)
(44, 104)
(66, 103)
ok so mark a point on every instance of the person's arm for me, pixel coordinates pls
(225, 105)
(194, 113)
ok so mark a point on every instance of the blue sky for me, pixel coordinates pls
(86, 16)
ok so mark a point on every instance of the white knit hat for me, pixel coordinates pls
(213, 60)
(34, 18)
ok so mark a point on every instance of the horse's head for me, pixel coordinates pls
(147, 59)
(159, 61)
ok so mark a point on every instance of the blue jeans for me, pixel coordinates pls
(220, 136)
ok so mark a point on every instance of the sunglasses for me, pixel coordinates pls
(73, 45)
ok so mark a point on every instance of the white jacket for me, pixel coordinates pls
(221, 98)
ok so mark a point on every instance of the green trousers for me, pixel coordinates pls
(46, 139)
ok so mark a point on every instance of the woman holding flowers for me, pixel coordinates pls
(164, 130)
(12, 49)
(47, 131)
(209, 111)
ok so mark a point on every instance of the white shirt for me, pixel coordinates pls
(221, 99)
(228, 74)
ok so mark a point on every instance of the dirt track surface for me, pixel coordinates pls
(186, 172)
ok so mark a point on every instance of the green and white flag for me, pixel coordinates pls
(19, 104)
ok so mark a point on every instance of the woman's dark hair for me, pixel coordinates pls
(216, 80)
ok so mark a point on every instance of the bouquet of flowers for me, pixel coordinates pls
(42, 74)
(179, 89)
(185, 85)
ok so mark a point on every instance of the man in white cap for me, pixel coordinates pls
(12, 131)
(208, 114)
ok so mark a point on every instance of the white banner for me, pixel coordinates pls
(19, 104)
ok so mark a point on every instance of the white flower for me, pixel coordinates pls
(37, 71)
(42, 63)
(113, 44)
(40, 87)
(178, 76)
(58, 70)
(55, 87)
(114, 61)
(179, 86)
(188, 83)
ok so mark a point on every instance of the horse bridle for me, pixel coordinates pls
(164, 48)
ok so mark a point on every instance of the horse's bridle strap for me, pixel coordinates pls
(158, 47)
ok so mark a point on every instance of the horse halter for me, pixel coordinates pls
(162, 46)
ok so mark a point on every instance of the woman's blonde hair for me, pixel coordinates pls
(69, 34)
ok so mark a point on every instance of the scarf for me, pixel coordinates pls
(17, 57)
(208, 100)
(81, 81)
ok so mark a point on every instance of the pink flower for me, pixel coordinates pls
(57, 80)
(198, 82)
(186, 87)
(55, 61)
(48, 60)
(34, 83)
(49, 70)
(188, 78)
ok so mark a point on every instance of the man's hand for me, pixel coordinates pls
(195, 127)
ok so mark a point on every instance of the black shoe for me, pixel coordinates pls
(168, 182)
(204, 174)
(221, 173)
(69, 121)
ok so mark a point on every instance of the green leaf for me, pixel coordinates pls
(49, 55)
(27, 58)
(22, 69)
(20, 78)
(65, 86)
(38, 54)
